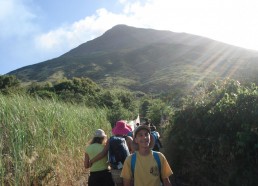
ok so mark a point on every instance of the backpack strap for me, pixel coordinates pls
(154, 133)
(133, 160)
(156, 157)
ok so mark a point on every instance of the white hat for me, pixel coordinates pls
(100, 133)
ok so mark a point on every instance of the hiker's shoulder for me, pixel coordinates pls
(128, 138)
(160, 154)
(128, 159)
(130, 156)
(94, 146)
(134, 155)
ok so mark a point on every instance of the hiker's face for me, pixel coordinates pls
(143, 138)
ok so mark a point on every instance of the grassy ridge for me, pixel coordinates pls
(39, 138)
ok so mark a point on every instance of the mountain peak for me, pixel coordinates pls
(120, 26)
(123, 37)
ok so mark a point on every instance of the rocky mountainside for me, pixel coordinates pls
(148, 60)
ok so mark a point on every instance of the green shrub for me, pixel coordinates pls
(214, 139)
(9, 84)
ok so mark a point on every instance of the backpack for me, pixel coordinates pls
(157, 144)
(156, 157)
(117, 152)
(130, 134)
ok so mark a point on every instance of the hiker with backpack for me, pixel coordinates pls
(118, 147)
(156, 136)
(147, 122)
(145, 167)
(99, 172)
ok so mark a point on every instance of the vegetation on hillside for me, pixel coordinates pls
(210, 136)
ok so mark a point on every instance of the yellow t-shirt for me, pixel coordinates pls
(92, 150)
(146, 171)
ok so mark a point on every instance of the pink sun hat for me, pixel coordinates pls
(121, 128)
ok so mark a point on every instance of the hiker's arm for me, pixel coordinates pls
(166, 182)
(152, 141)
(126, 182)
(86, 161)
(100, 155)
(158, 134)
(129, 142)
(159, 140)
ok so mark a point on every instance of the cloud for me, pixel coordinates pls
(70, 36)
(16, 19)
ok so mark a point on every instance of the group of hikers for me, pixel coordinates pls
(130, 157)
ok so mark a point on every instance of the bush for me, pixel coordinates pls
(214, 139)
(9, 84)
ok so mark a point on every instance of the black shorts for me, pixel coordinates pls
(101, 178)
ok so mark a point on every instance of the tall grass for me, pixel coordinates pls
(42, 142)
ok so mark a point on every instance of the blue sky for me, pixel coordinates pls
(33, 31)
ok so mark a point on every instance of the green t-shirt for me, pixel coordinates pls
(92, 150)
